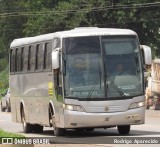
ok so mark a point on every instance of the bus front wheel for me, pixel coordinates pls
(123, 130)
(59, 131)
(38, 128)
(27, 128)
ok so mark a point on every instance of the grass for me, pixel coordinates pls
(8, 134)
(4, 135)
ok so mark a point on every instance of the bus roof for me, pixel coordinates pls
(77, 32)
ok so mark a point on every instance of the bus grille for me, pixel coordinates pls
(104, 109)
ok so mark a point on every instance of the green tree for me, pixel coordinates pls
(23, 18)
(142, 17)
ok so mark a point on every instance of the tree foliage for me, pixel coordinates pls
(22, 18)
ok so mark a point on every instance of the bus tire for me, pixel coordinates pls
(27, 128)
(38, 128)
(89, 129)
(79, 129)
(59, 131)
(123, 130)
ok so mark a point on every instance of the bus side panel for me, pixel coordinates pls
(43, 94)
(35, 91)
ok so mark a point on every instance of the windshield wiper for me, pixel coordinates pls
(95, 83)
(115, 86)
(92, 88)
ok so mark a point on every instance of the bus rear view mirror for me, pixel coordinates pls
(55, 59)
(146, 53)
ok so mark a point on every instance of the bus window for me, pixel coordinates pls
(39, 57)
(47, 57)
(22, 59)
(25, 59)
(16, 62)
(11, 61)
(31, 59)
(18, 59)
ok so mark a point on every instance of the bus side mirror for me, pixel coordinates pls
(146, 53)
(55, 59)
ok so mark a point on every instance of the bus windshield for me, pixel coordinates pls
(83, 67)
(102, 67)
(123, 70)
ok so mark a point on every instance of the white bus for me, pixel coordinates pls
(66, 80)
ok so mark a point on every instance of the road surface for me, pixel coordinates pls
(151, 128)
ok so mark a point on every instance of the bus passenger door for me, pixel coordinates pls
(58, 95)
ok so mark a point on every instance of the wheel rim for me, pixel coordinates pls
(23, 121)
(54, 124)
(52, 119)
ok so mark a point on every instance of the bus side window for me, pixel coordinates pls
(25, 59)
(15, 58)
(39, 57)
(47, 57)
(19, 59)
(22, 59)
(31, 59)
(12, 61)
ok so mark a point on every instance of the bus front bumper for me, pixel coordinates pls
(75, 119)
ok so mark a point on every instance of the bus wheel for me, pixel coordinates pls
(38, 128)
(89, 129)
(27, 128)
(79, 129)
(59, 131)
(123, 130)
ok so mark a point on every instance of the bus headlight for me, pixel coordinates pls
(72, 107)
(136, 105)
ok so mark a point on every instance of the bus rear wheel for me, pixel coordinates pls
(59, 131)
(38, 128)
(89, 129)
(123, 130)
(27, 128)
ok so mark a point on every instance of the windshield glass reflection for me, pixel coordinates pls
(83, 77)
(122, 66)
(109, 67)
